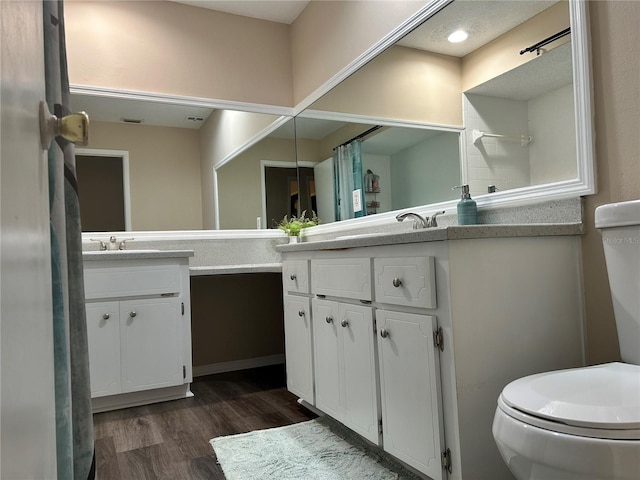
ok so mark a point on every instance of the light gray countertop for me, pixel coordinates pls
(456, 232)
(102, 255)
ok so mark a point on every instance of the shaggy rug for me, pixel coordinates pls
(308, 450)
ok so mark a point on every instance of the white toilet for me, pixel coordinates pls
(584, 423)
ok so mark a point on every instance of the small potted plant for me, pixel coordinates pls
(294, 225)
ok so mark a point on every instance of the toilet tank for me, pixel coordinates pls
(620, 225)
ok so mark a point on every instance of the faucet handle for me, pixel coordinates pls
(432, 220)
(101, 244)
(121, 244)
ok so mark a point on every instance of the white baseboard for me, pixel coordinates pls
(145, 397)
(243, 364)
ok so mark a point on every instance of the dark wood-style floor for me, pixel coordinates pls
(170, 440)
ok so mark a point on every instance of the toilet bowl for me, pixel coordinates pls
(575, 424)
(584, 423)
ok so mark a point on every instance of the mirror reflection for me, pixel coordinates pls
(516, 110)
(475, 112)
(363, 169)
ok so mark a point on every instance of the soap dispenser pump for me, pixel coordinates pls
(467, 208)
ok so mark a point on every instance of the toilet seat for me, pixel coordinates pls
(602, 401)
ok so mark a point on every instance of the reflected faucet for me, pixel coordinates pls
(419, 221)
(113, 244)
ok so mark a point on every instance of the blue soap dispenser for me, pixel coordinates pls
(467, 208)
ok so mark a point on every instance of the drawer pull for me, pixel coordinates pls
(344, 323)
(384, 333)
(106, 316)
(397, 282)
(329, 319)
(301, 313)
(293, 276)
(132, 314)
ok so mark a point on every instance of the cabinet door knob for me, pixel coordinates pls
(106, 316)
(397, 282)
(384, 333)
(132, 314)
(344, 323)
(301, 313)
(329, 319)
(293, 276)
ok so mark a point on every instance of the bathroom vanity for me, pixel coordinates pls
(408, 339)
(138, 326)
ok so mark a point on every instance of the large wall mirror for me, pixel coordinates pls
(427, 114)
(159, 164)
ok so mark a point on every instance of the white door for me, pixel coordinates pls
(323, 176)
(150, 344)
(328, 357)
(297, 347)
(28, 443)
(410, 386)
(103, 336)
(360, 380)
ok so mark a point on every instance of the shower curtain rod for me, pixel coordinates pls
(358, 137)
(546, 41)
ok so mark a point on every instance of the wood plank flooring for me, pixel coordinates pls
(170, 440)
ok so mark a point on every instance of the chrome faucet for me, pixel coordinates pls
(432, 220)
(113, 244)
(419, 221)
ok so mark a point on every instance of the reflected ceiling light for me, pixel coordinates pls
(458, 36)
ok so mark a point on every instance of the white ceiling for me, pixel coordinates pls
(544, 73)
(483, 20)
(110, 109)
(281, 11)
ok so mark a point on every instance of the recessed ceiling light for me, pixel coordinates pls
(458, 36)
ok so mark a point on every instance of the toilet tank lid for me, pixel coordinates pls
(602, 396)
(618, 214)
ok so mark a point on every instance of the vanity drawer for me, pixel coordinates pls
(407, 281)
(344, 277)
(295, 276)
(109, 282)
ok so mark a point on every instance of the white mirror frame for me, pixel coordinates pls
(583, 184)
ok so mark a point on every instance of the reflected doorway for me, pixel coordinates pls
(283, 194)
(103, 190)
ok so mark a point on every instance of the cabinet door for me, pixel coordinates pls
(410, 385)
(150, 343)
(360, 381)
(328, 357)
(298, 347)
(103, 336)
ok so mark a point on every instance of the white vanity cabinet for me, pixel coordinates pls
(453, 322)
(138, 329)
